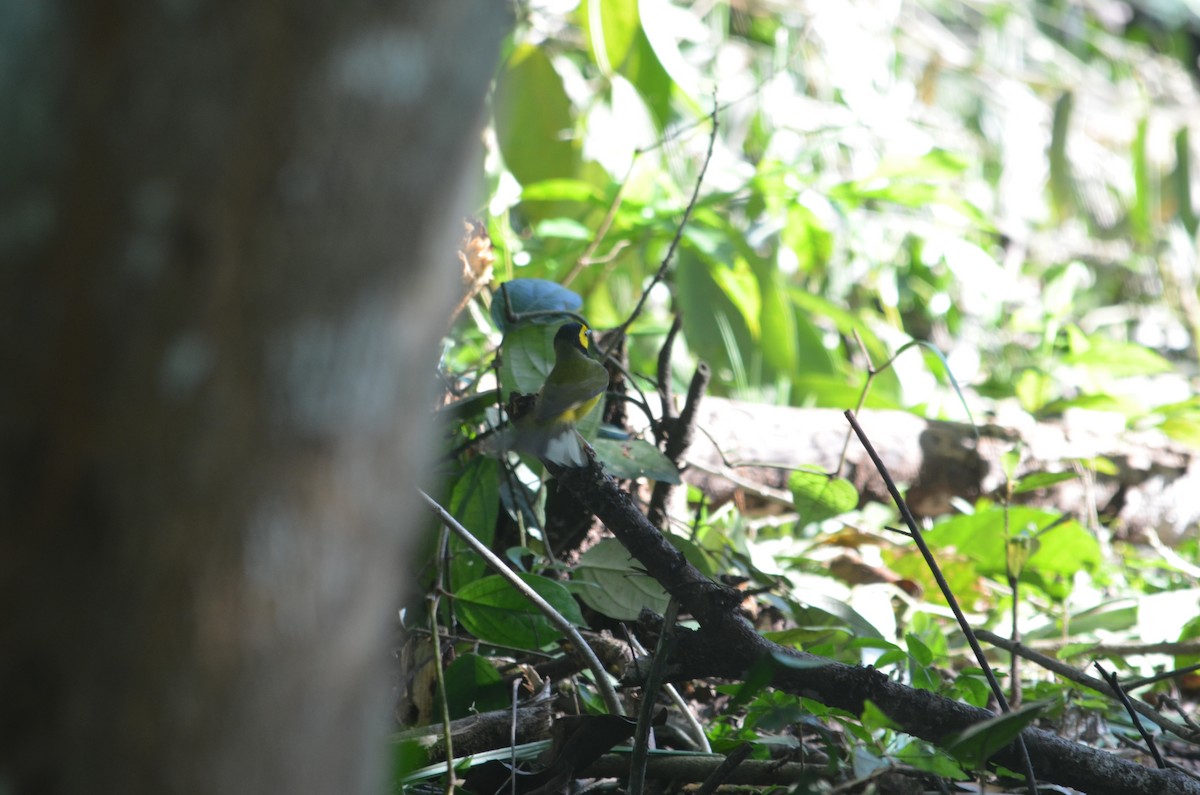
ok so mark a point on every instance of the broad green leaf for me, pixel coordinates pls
(475, 503)
(1115, 358)
(1018, 548)
(1181, 182)
(834, 391)
(534, 120)
(564, 190)
(1063, 551)
(838, 609)
(1190, 631)
(565, 228)
(523, 296)
(754, 682)
(697, 286)
(976, 745)
(924, 756)
(474, 685)
(660, 34)
(973, 688)
(1184, 429)
(495, 612)
(875, 718)
(819, 497)
(1036, 480)
(526, 358)
(917, 649)
(644, 70)
(611, 27)
(808, 238)
(777, 320)
(1034, 389)
(936, 164)
(1095, 402)
(615, 584)
(809, 305)
(1144, 201)
(1062, 182)
(635, 458)
(742, 289)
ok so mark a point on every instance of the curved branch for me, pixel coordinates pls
(727, 645)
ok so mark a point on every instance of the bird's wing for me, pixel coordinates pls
(560, 395)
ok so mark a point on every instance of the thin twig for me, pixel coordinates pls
(725, 769)
(585, 258)
(687, 214)
(1080, 678)
(664, 379)
(685, 709)
(951, 600)
(512, 734)
(1115, 683)
(439, 676)
(560, 622)
(654, 678)
(678, 439)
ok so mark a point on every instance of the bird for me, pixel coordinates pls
(573, 387)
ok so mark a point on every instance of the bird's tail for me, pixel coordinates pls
(558, 443)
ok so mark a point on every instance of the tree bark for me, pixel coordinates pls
(227, 253)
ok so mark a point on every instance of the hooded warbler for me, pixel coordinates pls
(572, 388)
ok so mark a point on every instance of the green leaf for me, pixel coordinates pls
(1113, 358)
(924, 756)
(779, 333)
(561, 190)
(875, 718)
(973, 688)
(475, 503)
(1062, 182)
(563, 228)
(534, 120)
(1017, 550)
(533, 295)
(807, 237)
(627, 459)
(819, 497)
(495, 612)
(975, 745)
(1183, 429)
(920, 653)
(660, 36)
(474, 685)
(838, 609)
(1062, 552)
(614, 583)
(1180, 184)
(646, 72)
(1041, 480)
(528, 357)
(1144, 198)
(610, 27)
(728, 296)
(837, 391)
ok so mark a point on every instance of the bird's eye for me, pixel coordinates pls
(583, 337)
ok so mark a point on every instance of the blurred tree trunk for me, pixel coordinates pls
(226, 250)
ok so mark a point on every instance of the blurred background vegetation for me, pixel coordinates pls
(1008, 182)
